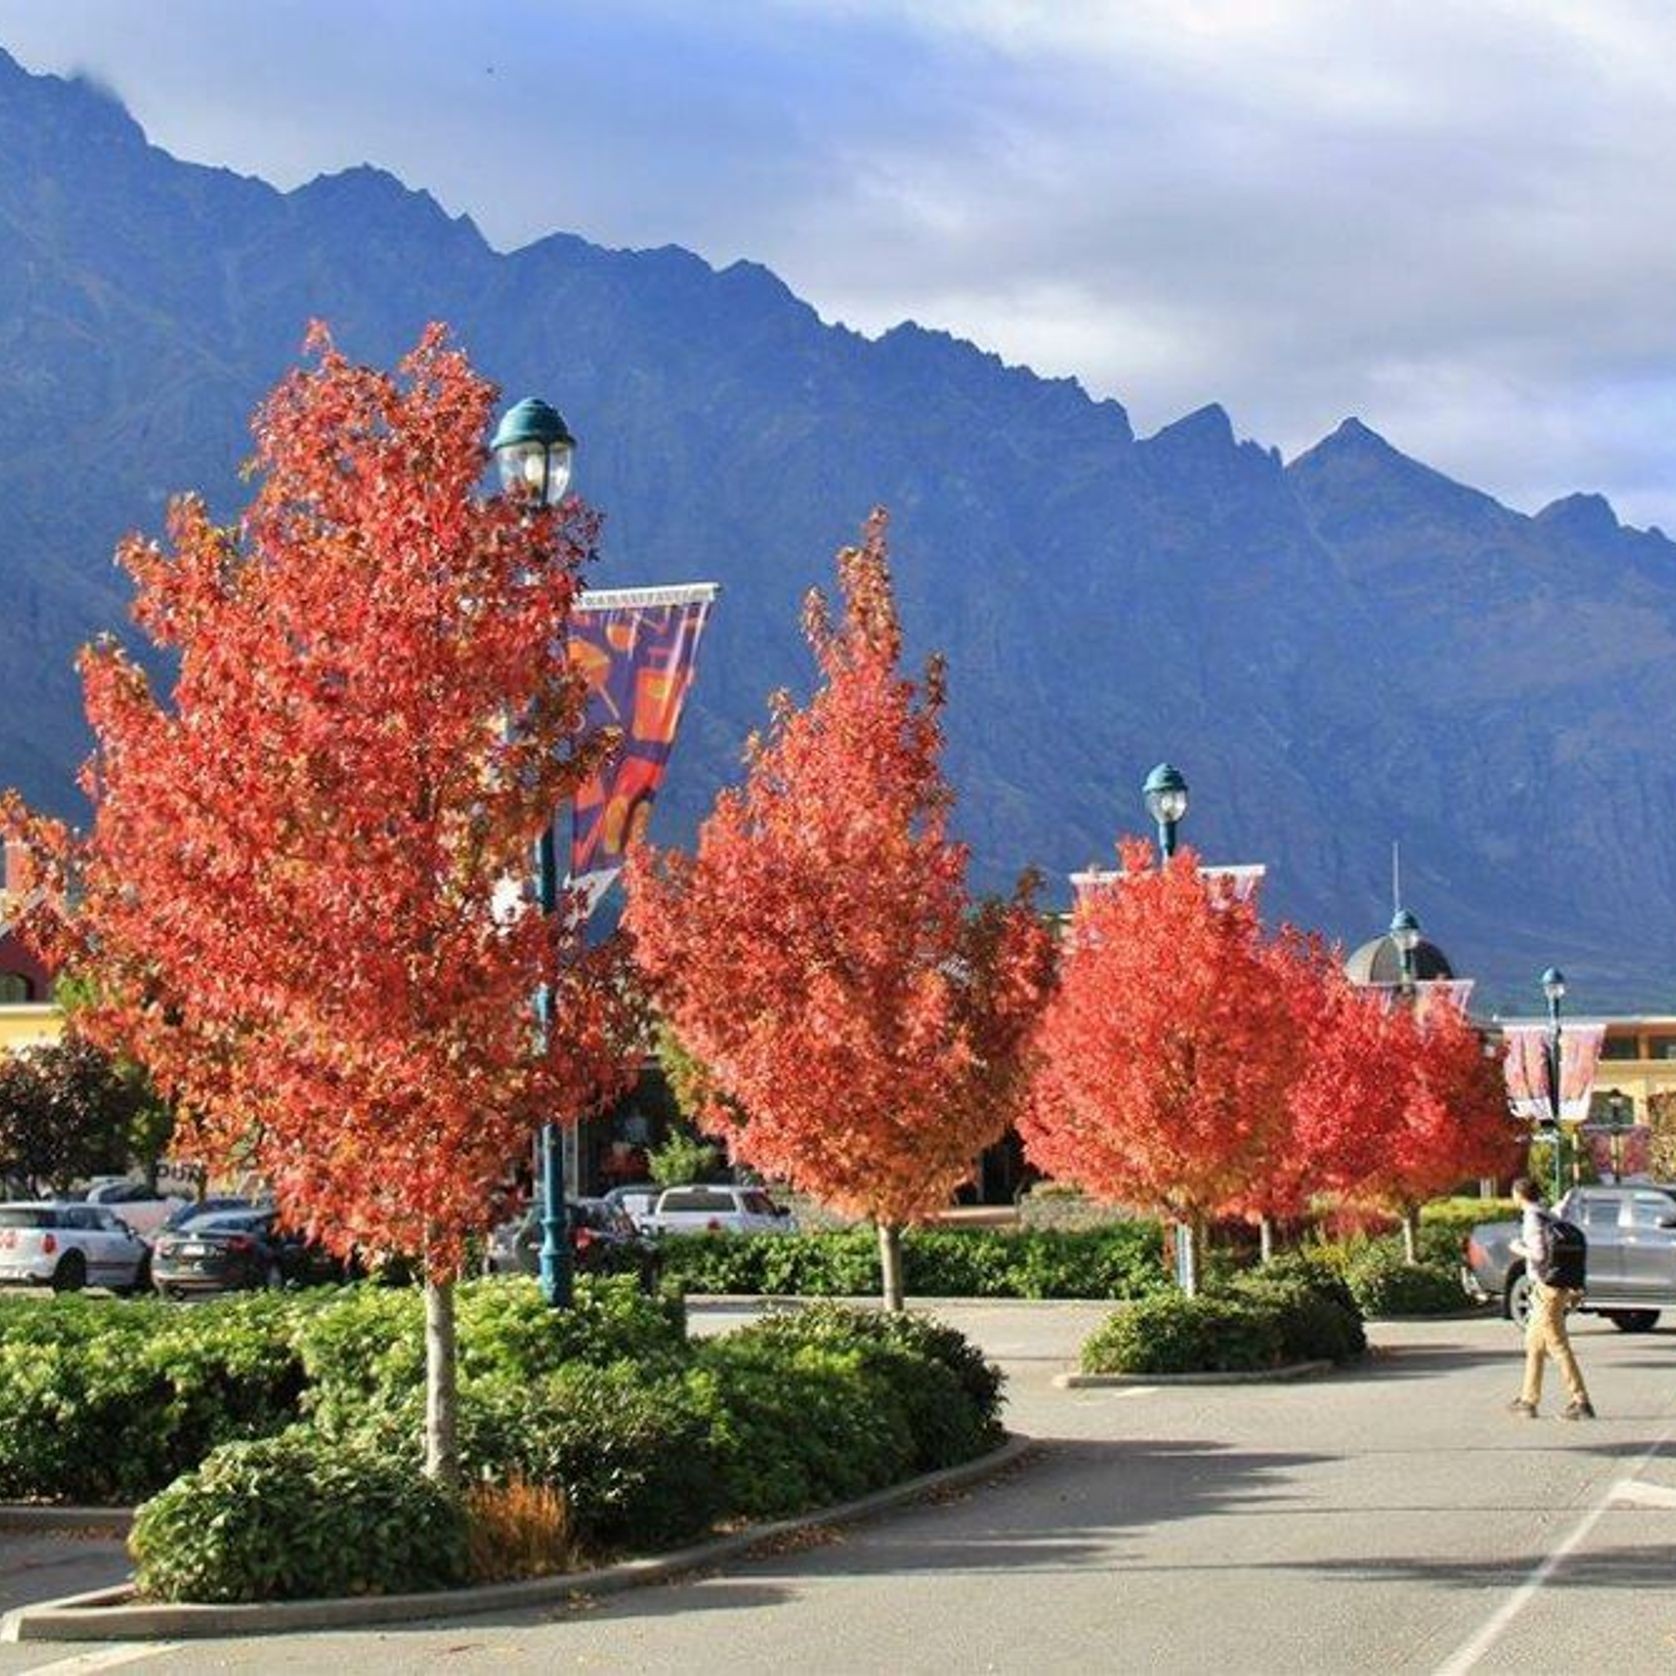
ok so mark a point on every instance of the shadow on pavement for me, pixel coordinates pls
(38, 1566)
(1646, 1566)
(1419, 1361)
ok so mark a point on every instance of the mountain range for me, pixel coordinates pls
(1338, 651)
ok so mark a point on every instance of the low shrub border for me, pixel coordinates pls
(1117, 1261)
(1257, 1326)
(588, 1434)
(116, 1614)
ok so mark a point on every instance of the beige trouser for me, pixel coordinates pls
(1545, 1336)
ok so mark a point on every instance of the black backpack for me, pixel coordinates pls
(1568, 1255)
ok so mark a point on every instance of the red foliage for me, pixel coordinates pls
(286, 902)
(1396, 1105)
(1169, 1050)
(819, 954)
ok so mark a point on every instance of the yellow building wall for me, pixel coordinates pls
(29, 1024)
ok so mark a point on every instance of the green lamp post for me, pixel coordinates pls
(534, 447)
(1165, 792)
(1553, 988)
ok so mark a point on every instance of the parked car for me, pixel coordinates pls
(193, 1209)
(603, 1240)
(718, 1208)
(1631, 1230)
(144, 1210)
(639, 1200)
(68, 1245)
(241, 1250)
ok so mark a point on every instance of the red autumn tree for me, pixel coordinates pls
(1168, 1052)
(1397, 1103)
(291, 901)
(863, 1025)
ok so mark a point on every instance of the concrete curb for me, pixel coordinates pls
(109, 1615)
(740, 1300)
(1265, 1376)
(27, 1516)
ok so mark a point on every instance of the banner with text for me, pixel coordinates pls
(1526, 1070)
(637, 648)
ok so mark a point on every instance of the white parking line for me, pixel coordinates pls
(1624, 1489)
(105, 1658)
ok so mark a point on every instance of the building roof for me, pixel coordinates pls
(1380, 962)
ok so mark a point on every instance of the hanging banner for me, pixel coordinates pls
(1236, 883)
(637, 648)
(1526, 1070)
(1431, 995)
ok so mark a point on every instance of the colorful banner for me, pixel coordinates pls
(637, 648)
(1526, 1070)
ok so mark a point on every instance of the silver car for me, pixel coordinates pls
(68, 1245)
(1631, 1230)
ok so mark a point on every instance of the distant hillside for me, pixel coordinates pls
(1337, 652)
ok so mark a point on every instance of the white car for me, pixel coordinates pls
(134, 1203)
(718, 1209)
(68, 1245)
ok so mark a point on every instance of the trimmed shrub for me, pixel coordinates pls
(367, 1352)
(1317, 1317)
(105, 1401)
(295, 1517)
(1172, 1333)
(1383, 1284)
(799, 1427)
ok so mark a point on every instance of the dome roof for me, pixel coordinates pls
(1380, 962)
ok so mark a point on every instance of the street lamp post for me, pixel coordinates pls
(1405, 933)
(533, 447)
(1621, 1114)
(1553, 987)
(1165, 792)
(1166, 800)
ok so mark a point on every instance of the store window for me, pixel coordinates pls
(15, 989)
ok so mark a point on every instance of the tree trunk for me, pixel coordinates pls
(1265, 1240)
(1410, 1234)
(1187, 1259)
(890, 1265)
(442, 1450)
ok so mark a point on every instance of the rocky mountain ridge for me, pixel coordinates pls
(1338, 651)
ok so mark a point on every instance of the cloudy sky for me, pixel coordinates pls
(1451, 217)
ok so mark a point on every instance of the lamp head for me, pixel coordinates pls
(1405, 931)
(533, 447)
(1166, 794)
(1553, 983)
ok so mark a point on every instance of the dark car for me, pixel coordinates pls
(603, 1240)
(233, 1251)
(197, 1209)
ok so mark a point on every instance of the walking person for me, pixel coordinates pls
(1556, 1284)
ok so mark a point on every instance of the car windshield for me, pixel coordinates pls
(28, 1216)
(758, 1204)
(229, 1222)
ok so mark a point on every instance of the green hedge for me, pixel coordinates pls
(1247, 1326)
(106, 1401)
(1385, 1284)
(1123, 1260)
(294, 1517)
(290, 1425)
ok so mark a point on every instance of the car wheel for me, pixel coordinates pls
(274, 1277)
(1517, 1306)
(1633, 1320)
(71, 1273)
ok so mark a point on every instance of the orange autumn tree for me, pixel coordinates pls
(1167, 1054)
(863, 1025)
(291, 904)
